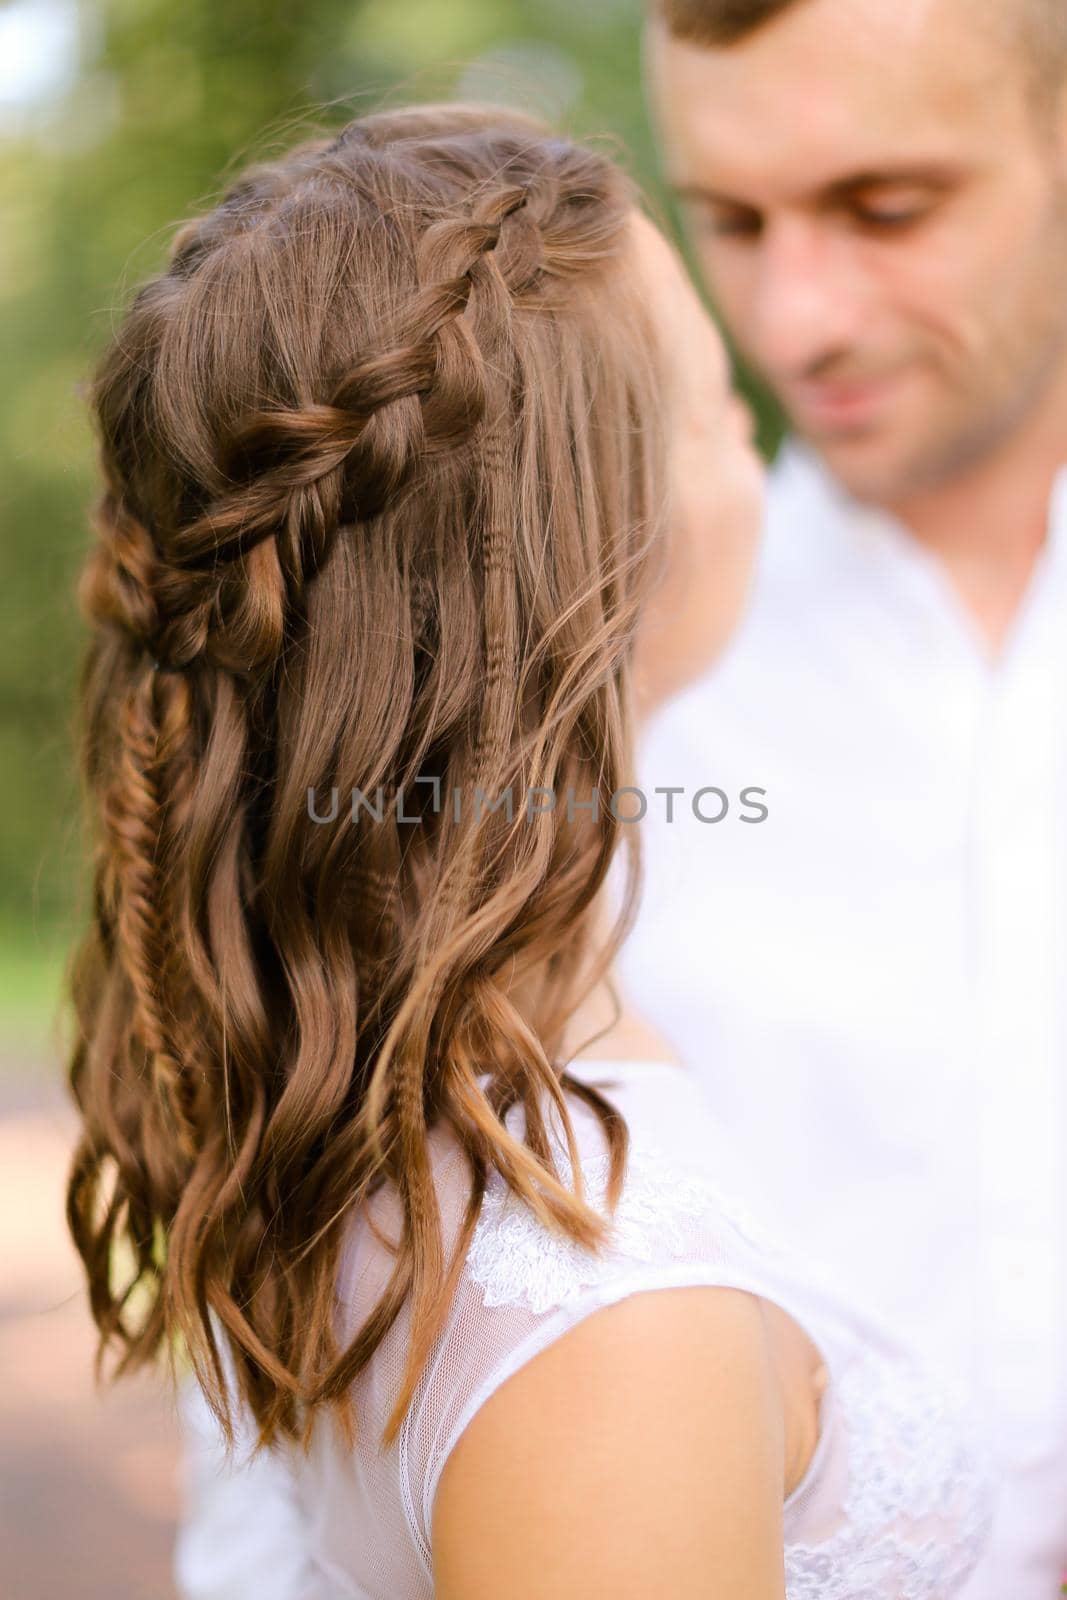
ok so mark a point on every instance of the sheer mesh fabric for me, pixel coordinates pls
(896, 1501)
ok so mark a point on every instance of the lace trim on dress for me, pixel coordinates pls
(919, 1499)
(516, 1260)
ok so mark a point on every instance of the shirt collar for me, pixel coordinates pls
(865, 537)
(802, 474)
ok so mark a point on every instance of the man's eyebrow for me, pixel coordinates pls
(703, 191)
(932, 175)
(927, 175)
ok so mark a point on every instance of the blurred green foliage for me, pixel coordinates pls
(168, 96)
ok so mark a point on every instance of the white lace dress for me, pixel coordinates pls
(895, 1504)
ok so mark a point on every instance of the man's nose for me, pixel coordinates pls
(810, 301)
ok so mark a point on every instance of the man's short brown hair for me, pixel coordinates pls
(1042, 25)
(718, 22)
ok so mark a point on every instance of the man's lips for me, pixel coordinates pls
(837, 407)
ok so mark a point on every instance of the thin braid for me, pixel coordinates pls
(482, 235)
(500, 613)
(148, 790)
(132, 812)
(429, 1285)
(415, 1175)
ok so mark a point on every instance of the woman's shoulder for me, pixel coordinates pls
(653, 1422)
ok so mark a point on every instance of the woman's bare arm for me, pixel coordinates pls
(641, 1455)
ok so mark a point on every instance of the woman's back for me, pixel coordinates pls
(893, 1502)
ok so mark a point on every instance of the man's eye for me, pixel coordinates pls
(730, 224)
(886, 216)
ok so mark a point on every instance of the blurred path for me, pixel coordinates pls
(88, 1486)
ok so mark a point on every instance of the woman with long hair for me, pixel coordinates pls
(422, 483)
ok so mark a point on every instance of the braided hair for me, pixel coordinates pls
(381, 495)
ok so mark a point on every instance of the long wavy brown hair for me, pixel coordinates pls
(382, 495)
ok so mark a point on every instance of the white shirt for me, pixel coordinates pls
(870, 981)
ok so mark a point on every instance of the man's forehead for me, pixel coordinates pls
(833, 89)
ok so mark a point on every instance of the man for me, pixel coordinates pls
(871, 978)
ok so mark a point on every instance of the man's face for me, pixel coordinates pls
(882, 219)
